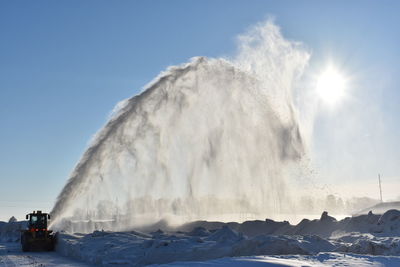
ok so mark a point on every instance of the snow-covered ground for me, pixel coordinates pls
(367, 240)
(321, 259)
(11, 255)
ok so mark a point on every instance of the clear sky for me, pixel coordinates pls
(65, 64)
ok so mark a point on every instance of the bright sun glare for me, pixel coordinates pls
(331, 86)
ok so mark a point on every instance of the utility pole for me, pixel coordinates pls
(380, 186)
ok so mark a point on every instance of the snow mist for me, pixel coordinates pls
(204, 139)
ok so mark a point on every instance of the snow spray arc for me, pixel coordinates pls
(208, 137)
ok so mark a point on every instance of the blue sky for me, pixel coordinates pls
(65, 64)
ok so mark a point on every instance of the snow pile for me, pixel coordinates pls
(369, 244)
(376, 236)
(374, 246)
(282, 245)
(326, 226)
(11, 232)
(389, 223)
(140, 249)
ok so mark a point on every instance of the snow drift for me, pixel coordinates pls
(206, 138)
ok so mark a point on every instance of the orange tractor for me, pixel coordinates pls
(37, 236)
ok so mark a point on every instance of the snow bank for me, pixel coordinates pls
(108, 248)
(370, 244)
(387, 224)
(138, 249)
(10, 232)
(282, 245)
(371, 234)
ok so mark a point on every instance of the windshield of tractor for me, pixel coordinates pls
(38, 221)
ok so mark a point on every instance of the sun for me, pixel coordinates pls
(331, 85)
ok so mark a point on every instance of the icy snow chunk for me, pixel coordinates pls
(225, 234)
(326, 217)
(99, 234)
(389, 216)
(388, 223)
(157, 234)
(199, 231)
(269, 245)
(375, 247)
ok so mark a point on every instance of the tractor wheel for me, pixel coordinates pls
(50, 246)
(25, 244)
(25, 247)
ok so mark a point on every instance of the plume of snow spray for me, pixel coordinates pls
(206, 138)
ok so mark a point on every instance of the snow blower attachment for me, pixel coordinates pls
(37, 236)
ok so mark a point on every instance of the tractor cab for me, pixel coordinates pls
(37, 221)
